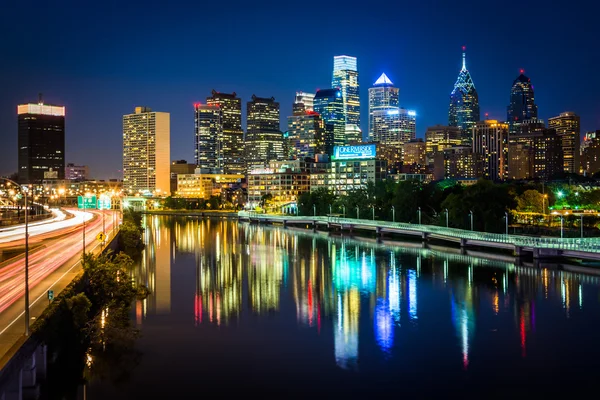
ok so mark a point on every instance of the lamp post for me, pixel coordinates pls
(393, 214)
(419, 211)
(315, 210)
(581, 224)
(562, 219)
(471, 215)
(506, 218)
(373, 207)
(330, 210)
(357, 214)
(344, 209)
(447, 225)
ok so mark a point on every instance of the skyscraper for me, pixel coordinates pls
(208, 126)
(522, 103)
(305, 136)
(567, 126)
(394, 126)
(490, 141)
(146, 152)
(307, 99)
(330, 106)
(464, 102)
(345, 77)
(590, 153)
(232, 141)
(264, 139)
(382, 96)
(440, 137)
(41, 141)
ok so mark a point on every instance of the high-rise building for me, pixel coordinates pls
(464, 102)
(77, 172)
(330, 106)
(568, 128)
(264, 139)
(522, 103)
(232, 141)
(414, 161)
(440, 137)
(490, 141)
(394, 126)
(208, 126)
(305, 136)
(458, 162)
(382, 96)
(41, 140)
(590, 154)
(307, 99)
(146, 152)
(345, 77)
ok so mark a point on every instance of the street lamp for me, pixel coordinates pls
(562, 219)
(373, 207)
(357, 215)
(344, 209)
(471, 215)
(506, 218)
(447, 225)
(315, 210)
(393, 214)
(419, 210)
(330, 210)
(581, 224)
(87, 195)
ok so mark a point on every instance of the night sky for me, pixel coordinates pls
(103, 61)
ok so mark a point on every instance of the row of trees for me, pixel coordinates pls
(213, 203)
(404, 201)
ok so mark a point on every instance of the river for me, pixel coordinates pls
(239, 309)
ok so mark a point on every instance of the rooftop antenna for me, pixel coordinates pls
(40, 101)
(464, 66)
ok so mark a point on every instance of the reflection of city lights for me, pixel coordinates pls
(412, 295)
(394, 295)
(384, 330)
(346, 332)
(580, 297)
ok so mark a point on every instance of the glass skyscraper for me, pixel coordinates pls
(394, 126)
(305, 136)
(567, 126)
(464, 102)
(264, 139)
(345, 77)
(232, 141)
(209, 138)
(522, 103)
(382, 96)
(330, 106)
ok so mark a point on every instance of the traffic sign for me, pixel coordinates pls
(50, 295)
(104, 203)
(87, 201)
(101, 236)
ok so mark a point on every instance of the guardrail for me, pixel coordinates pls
(579, 244)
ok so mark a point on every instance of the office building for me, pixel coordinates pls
(329, 105)
(264, 139)
(146, 152)
(284, 185)
(522, 103)
(382, 96)
(306, 99)
(232, 136)
(208, 127)
(394, 126)
(464, 103)
(490, 141)
(41, 142)
(590, 154)
(414, 160)
(204, 186)
(440, 137)
(180, 167)
(345, 77)
(351, 168)
(77, 172)
(567, 126)
(305, 136)
(535, 152)
(458, 163)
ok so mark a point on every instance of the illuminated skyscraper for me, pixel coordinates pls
(567, 126)
(330, 106)
(394, 126)
(307, 99)
(232, 142)
(464, 102)
(208, 127)
(345, 77)
(41, 139)
(590, 153)
(264, 139)
(146, 152)
(305, 136)
(382, 96)
(440, 137)
(490, 141)
(522, 103)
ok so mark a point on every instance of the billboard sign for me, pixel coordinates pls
(355, 152)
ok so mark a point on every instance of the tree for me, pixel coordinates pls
(531, 201)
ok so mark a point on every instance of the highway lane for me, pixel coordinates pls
(46, 260)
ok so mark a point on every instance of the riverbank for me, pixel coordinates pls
(193, 213)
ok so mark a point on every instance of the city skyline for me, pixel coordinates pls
(424, 68)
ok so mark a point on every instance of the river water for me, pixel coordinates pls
(239, 309)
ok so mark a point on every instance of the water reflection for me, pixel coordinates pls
(350, 286)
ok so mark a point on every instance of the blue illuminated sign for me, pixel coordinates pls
(357, 152)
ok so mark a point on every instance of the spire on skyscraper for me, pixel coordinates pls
(464, 101)
(383, 80)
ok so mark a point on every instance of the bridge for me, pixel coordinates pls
(538, 247)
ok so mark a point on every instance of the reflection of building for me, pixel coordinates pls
(463, 317)
(146, 152)
(490, 141)
(345, 77)
(41, 140)
(568, 128)
(464, 103)
(265, 275)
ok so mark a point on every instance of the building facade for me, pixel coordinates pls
(306, 99)
(345, 77)
(146, 152)
(264, 139)
(41, 141)
(204, 186)
(440, 137)
(567, 126)
(305, 136)
(208, 127)
(382, 96)
(522, 103)
(232, 135)
(414, 160)
(394, 126)
(77, 172)
(590, 153)
(458, 163)
(464, 103)
(490, 142)
(283, 187)
(328, 103)
(535, 153)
